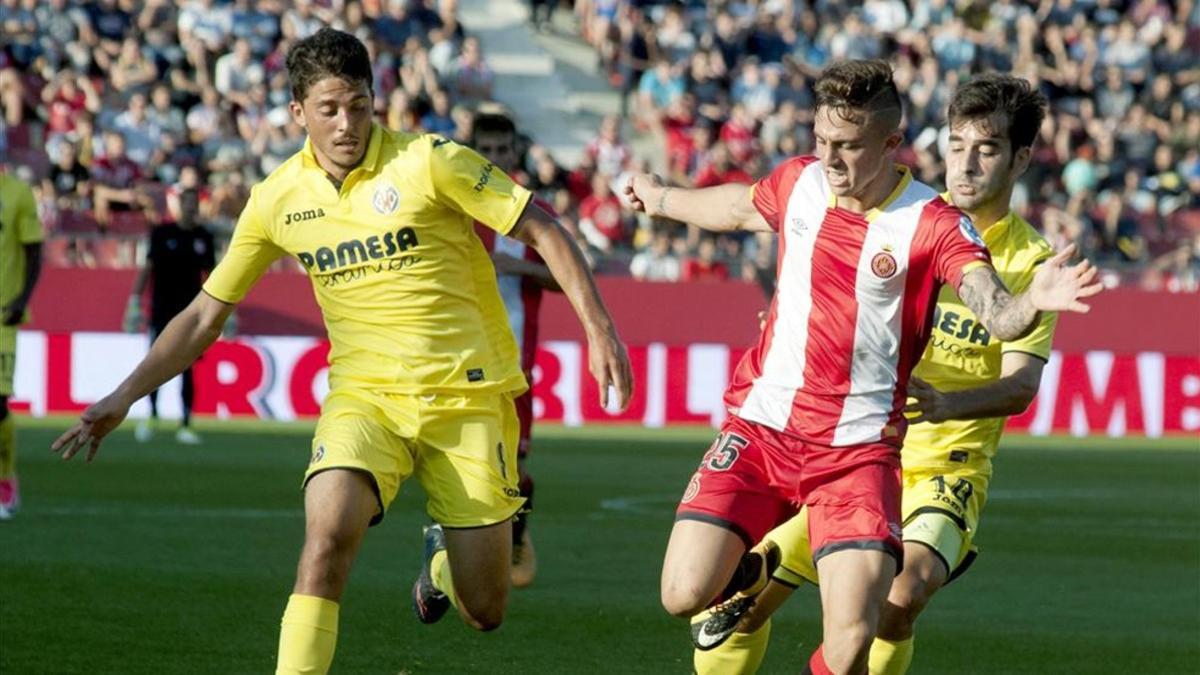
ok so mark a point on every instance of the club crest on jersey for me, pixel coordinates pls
(884, 264)
(386, 199)
(968, 230)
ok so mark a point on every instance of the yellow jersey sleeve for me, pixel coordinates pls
(465, 181)
(29, 228)
(250, 253)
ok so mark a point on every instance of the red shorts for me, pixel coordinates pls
(753, 478)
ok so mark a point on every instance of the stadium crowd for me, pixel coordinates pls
(111, 105)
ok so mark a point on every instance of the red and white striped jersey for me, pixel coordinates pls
(852, 310)
(522, 295)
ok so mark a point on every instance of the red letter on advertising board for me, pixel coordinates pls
(678, 382)
(310, 364)
(58, 375)
(589, 392)
(234, 395)
(549, 370)
(1075, 384)
(1181, 394)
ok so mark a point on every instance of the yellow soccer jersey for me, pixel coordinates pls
(407, 291)
(961, 354)
(19, 226)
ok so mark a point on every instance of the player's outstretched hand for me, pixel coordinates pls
(642, 190)
(96, 422)
(609, 364)
(928, 403)
(1060, 287)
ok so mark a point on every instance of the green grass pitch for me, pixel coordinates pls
(171, 559)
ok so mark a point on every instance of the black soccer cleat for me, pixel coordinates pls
(712, 627)
(428, 602)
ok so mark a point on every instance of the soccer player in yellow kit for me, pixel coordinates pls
(423, 365)
(20, 264)
(965, 386)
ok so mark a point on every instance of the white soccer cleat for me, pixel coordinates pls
(187, 437)
(5, 513)
(144, 431)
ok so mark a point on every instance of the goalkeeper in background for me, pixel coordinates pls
(178, 260)
(965, 386)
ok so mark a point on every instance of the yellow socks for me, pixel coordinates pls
(439, 569)
(741, 654)
(890, 657)
(308, 636)
(8, 447)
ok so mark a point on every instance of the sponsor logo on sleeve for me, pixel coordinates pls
(967, 228)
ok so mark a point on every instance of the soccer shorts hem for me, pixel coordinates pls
(719, 522)
(945, 534)
(358, 468)
(872, 544)
(480, 526)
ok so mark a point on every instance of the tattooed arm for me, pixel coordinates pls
(1056, 287)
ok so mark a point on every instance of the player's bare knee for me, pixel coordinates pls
(684, 600)
(484, 616)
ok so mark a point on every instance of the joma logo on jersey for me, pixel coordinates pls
(484, 177)
(969, 329)
(301, 216)
(356, 251)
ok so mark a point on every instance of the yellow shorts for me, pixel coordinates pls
(463, 450)
(939, 510)
(8, 358)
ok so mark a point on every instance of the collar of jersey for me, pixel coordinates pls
(872, 214)
(369, 163)
(992, 233)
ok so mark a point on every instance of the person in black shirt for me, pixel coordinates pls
(179, 259)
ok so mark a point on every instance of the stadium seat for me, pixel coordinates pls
(129, 223)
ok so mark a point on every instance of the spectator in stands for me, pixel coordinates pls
(66, 97)
(237, 72)
(720, 170)
(438, 119)
(115, 179)
(472, 79)
(656, 262)
(165, 115)
(607, 150)
(600, 216)
(704, 266)
(658, 88)
(141, 135)
(69, 182)
(132, 72)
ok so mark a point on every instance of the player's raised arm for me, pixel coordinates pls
(1056, 287)
(608, 360)
(183, 341)
(722, 208)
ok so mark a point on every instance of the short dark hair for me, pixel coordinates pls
(492, 123)
(985, 95)
(327, 53)
(856, 89)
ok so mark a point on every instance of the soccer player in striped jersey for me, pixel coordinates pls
(817, 404)
(522, 276)
(963, 389)
(423, 366)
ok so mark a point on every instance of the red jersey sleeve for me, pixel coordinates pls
(958, 246)
(772, 192)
